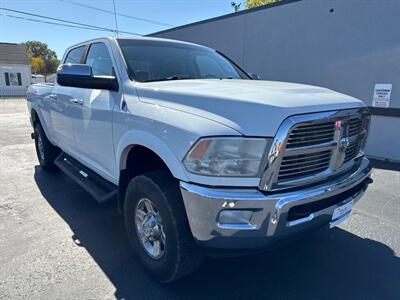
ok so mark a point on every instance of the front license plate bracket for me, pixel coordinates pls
(341, 213)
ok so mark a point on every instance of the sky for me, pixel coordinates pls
(58, 38)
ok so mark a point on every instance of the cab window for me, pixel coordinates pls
(99, 59)
(74, 56)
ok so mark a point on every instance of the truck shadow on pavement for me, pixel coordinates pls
(329, 264)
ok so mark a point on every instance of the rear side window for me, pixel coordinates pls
(74, 56)
(99, 59)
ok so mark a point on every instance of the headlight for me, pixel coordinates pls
(227, 157)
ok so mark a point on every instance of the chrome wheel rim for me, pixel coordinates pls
(40, 146)
(149, 228)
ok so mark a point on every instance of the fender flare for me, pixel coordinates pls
(152, 142)
(40, 118)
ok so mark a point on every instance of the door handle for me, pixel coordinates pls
(76, 101)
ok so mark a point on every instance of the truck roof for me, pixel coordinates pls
(138, 38)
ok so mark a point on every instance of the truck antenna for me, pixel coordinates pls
(115, 18)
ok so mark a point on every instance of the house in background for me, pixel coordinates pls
(15, 70)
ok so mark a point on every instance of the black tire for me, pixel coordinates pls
(47, 153)
(181, 256)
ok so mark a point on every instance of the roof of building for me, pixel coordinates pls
(13, 54)
(235, 14)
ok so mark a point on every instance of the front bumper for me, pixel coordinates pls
(275, 216)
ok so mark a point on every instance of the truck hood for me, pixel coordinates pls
(251, 107)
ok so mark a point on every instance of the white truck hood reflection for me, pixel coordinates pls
(252, 107)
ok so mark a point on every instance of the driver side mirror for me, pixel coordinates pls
(80, 75)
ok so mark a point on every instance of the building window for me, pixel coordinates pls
(13, 78)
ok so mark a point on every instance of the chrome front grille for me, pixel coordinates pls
(352, 151)
(305, 135)
(310, 147)
(355, 128)
(304, 165)
(310, 134)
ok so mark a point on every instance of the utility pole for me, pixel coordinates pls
(115, 19)
(236, 6)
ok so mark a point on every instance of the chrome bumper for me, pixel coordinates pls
(275, 216)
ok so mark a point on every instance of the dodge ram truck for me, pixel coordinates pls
(201, 158)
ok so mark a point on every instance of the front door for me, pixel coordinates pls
(93, 126)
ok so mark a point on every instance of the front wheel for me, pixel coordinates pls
(157, 227)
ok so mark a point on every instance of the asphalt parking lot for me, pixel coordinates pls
(56, 242)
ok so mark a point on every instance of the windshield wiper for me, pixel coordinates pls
(173, 77)
(179, 77)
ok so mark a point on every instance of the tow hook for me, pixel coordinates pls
(33, 135)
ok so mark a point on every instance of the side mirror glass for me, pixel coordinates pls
(254, 76)
(80, 75)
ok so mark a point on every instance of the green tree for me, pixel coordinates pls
(37, 64)
(255, 3)
(36, 49)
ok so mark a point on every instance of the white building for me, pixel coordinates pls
(15, 70)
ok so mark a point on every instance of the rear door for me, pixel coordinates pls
(62, 106)
(93, 127)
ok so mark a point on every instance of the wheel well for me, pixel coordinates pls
(34, 117)
(139, 160)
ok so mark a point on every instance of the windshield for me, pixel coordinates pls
(159, 60)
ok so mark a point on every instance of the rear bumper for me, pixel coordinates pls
(274, 217)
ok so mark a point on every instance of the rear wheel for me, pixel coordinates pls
(157, 227)
(46, 152)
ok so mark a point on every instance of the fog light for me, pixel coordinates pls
(235, 217)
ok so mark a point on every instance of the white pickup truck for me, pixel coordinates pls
(201, 158)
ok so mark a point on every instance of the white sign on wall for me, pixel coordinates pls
(382, 95)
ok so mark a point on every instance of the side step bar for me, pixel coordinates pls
(94, 184)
